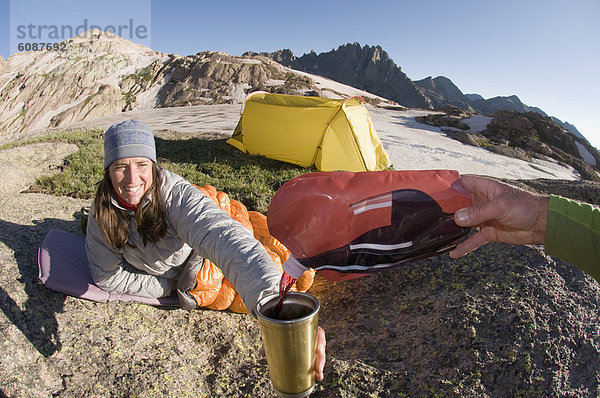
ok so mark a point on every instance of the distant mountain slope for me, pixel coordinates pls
(100, 74)
(474, 97)
(367, 68)
(569, 127)
(49, 88)
(543, 137)
(370, 68)
(209, 78)
(511, 103)
(522, 135)
(442, 92)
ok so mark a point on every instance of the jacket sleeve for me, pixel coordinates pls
(112, 273)
(573, 234)
(216, 236)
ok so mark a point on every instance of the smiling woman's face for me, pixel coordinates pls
(131, 178)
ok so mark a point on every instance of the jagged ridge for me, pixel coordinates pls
(370, 68)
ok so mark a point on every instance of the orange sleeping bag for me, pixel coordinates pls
(212, 290)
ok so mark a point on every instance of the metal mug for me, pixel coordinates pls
(290, 342)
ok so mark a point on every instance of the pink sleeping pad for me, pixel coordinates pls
(63, 267)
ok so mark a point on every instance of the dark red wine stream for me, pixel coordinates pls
(285, 284)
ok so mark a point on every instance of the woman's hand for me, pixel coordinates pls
(320, 354)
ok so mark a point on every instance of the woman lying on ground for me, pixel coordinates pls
(149, 230)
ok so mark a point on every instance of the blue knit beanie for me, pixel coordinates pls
(128, 139)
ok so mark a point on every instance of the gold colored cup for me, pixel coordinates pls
(290, 342)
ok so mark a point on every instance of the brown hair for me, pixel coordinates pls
(114, 222)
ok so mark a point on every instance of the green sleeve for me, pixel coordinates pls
(573, 234)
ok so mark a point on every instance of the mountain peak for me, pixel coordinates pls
(374, 53)
(283, 57)
(93, 33)
(443, 80)
(442, 92)
(98, 41)
(89, 78)
(366, 67)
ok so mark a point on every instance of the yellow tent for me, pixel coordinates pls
(328, 133)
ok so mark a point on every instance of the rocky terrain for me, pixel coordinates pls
(50, 88)
(101, 74)
(217, 78)
(523, 136)
(442, 93)
(504, 321)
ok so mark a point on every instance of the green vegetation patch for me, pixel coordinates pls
(253, 180)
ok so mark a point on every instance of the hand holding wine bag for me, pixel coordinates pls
(346, 224)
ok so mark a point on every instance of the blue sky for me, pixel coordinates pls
(547, 53)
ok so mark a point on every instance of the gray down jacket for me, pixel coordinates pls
(197, 228)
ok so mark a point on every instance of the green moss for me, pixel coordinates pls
(129, 98)
(86, 101)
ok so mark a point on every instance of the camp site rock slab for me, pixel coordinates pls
(22, 165)
(502, 321)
